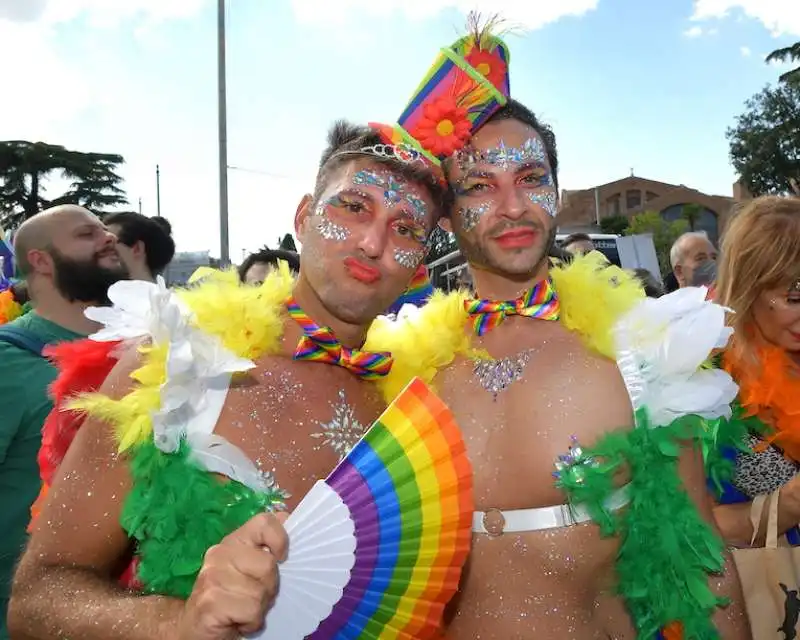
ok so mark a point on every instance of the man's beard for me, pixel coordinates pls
(85, 280)
(476, 254)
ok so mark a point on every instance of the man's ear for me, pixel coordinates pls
(41, 262)
(138, 249)
(446, 224)
(301, 217)
(678, 271)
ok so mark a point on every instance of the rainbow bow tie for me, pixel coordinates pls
(539, 302)
(320, 345)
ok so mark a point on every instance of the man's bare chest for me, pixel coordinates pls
(522, 409)
(296, 420)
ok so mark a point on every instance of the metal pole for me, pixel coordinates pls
(223, 137)
(597, 206)
(158, 190)
(140, 206)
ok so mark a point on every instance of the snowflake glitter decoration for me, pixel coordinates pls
(343, 431)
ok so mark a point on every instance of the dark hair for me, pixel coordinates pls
(155, 233)
(652, 287)
(345, 143)
(575, 237)
(514, 110)
(271, 257)
(20, 292)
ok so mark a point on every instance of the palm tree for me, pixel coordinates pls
(787, 54)
(691, 213)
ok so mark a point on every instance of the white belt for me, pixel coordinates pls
(495, 522)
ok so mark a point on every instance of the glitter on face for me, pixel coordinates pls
(532, 150)
(546, 201)
(328, 229)
(497, 375)
(393, 187)
(471, 216)
(409, 258)
(343, 431)
(418, 206)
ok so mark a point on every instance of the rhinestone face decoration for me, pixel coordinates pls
(409, 258)
(343, 431)
(546, 200)
(327, 228)
(497, 375)
(471, 216)
(502, 156)
(395, 191)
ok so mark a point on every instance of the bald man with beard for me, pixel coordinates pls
(68, 259)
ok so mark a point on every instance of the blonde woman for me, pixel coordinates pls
(759, 280)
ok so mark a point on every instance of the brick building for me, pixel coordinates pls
(580, 209)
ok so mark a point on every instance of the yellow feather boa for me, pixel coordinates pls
(593, 296)
(248, 321)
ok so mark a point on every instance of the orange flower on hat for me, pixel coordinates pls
(488, 65)
(444, 127)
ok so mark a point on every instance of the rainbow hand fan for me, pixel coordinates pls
(376, 549)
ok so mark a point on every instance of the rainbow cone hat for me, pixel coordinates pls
(467, 83)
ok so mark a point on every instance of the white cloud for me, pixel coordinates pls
(693, 32)
(100, 12)
(516, 12)
(746, 51)
(781, 17)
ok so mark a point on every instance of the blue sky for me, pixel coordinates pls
(626, 84)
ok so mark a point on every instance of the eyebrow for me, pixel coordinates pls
(360, 193)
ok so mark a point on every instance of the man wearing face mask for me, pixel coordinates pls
(304, 394)
(546, 374)
(693, 259)
(68, 259)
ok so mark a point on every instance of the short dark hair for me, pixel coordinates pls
(652, 287)
(514, 110)
(19, 290)
(155, 233)
(575, 237)
(271, 257)
(346, 142)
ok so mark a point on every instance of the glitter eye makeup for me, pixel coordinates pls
(546, 201)
(409, 258)
(502, 156)
(418, 207)
(327, 228)
(394, 188)
(471, 216)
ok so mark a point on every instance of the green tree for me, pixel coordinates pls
(787, 54)
(287, 244)
(765, 140)
(691, 213)
(25, 168)
(664, 234)
(614, 224)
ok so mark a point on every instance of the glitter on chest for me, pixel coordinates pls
(343, 431)
(497, 375)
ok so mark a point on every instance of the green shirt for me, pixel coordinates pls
(24, 405)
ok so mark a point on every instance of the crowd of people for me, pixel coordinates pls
(631, 448)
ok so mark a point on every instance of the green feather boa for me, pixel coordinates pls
(177, 511)
(667, 550)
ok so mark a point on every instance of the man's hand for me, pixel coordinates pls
(237, 583)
